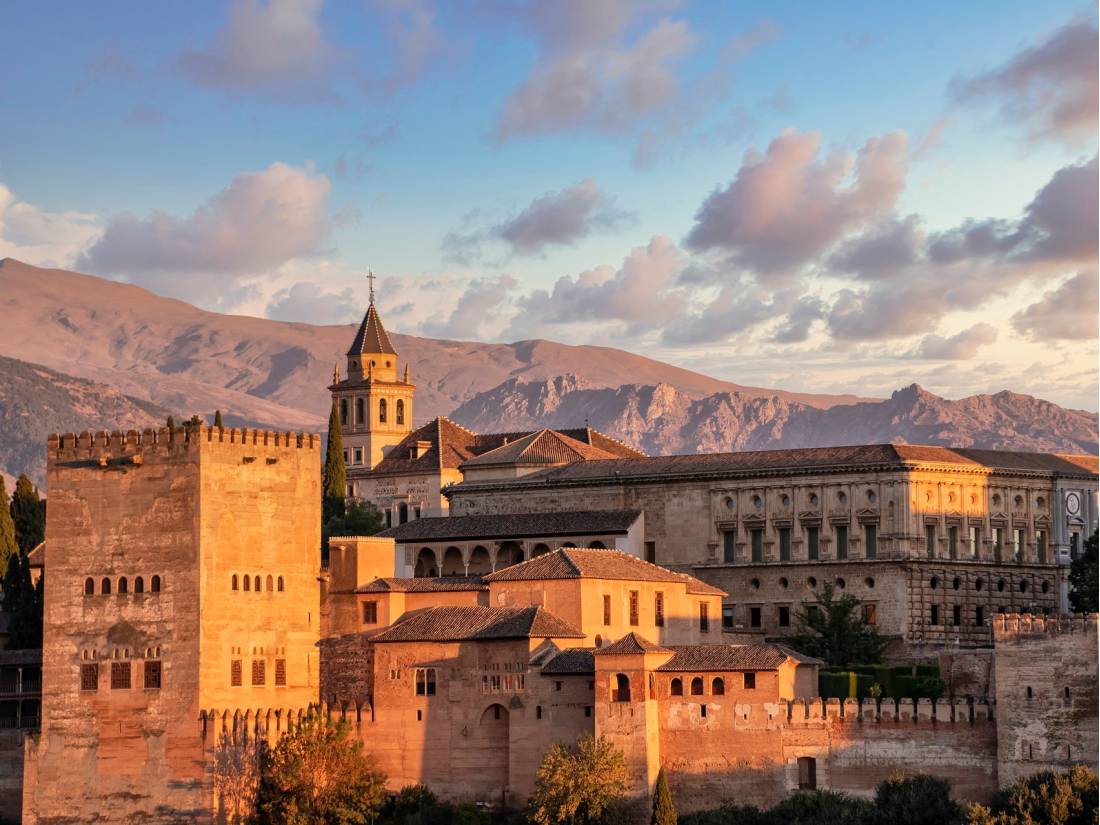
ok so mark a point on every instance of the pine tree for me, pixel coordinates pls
(218, 419)
(28, 514)
(8, 545)
(664, 812)
(335, 480)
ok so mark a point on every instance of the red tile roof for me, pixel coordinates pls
(630, 644)
(724, 658)
(540, 448)
(431, 584)
(455, 624)
(571, 660)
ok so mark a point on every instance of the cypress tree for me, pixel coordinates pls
(335, 480)
(8, 545)
(218, 419)
(171, 424)
(22, 601)
(664, 812)
(28, 514)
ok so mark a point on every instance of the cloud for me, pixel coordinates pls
(257, 223)
(1066, 313)
(799, 320)
(482, 303)
(40, 237)
(785, 207)
(554, 219)
(960, 347)
(734, 310)
(412, 39)
(309, 303)
(587, 75)
(1050, 88)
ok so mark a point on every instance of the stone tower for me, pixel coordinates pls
(376, 408)
(182, 584)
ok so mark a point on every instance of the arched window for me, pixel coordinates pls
(599, 640)
(718, 687)
(279, 584)
(154, 585)
(247, 584)
(697, 686)
(270, 584)
(105, 587)
(359, 412)
(236, 583)
(344, 411)
(139, 585)
(597, 545)
(123, 585)
(400, 411)
(89, 587)
(621, 691)
(676, 688)
(382, 410)
(256, 584)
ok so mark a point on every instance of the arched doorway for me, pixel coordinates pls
(510, 553)
(425, 564)
(452, 562)
(480, 564)
(490, 743)
(539, 549)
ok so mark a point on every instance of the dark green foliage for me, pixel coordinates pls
(417, 805)
(28, 513)
(836, 632)
(218, 419)
(664, 812)
(23, 603)
(335, 482)
(1044, 798)
(1084, 595)
(805, 808)
(916, 800)
(8, 544)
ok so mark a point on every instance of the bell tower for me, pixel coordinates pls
(375, 407)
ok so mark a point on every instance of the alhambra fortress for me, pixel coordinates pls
(531, 587)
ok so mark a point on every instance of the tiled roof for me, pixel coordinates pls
(371, 337)
(577, 563)
(455, 624)
(514, 525)
(724, 657)
(631, 644)
(571, 660)
(540, 448)
(37, 556)
(431, 584)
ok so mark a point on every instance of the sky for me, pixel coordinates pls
(821, 197)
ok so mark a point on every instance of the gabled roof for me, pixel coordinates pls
(571, 660)
(457, 624)
(371, 337)
(631, 644)
(514, 526)
(540, 448)
(431, 584)
(579, 563)
(729, 657)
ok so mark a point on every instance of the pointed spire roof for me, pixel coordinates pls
(371, 337)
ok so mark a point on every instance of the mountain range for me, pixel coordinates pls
(89, 353)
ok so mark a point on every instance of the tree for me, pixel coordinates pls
(335, 480)
(578, 784)
(916, 800)
(237, 775)
(218, 419)
(361, 518)
(28, 513)
(318, 775)
(833, 630)
(1044, 798)
(1084, 595)
(8, 544)
(664, 812)
(23, 603)
(171, 424)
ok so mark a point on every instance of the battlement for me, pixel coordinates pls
(273, 722)
(131, 447)
(889, 711)
(1010, 627)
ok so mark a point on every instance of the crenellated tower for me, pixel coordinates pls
(375, 406)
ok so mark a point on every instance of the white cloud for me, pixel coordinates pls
(310, 303)
(959, 347)
(1065, 313)
(40, 237)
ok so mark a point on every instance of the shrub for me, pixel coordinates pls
(1045, 798)
(916, 800)
(578, 784)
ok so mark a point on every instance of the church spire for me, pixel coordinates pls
(371, 338)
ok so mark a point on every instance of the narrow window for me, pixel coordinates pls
(152, 675)
(1030, 694)
(382, 410)
(953, 542)
(280, 672)
(651, 552)
(235, 673)
(123, 586)
(154, 585)
(344, 414)
(400, 411)
(621, 691)
(538, 708)
(607, 610)
(841, 541)
(870, 614)
(358, 455)
(975, 541)
(259, 671)
(807, 773)
(1041, 545)
(89, 587)
(370, 612)
(870, 539)
(279, 584)
(956, 615)
(704, 617)
(750, 681)
(270, 584)
(558, 686)
(256, 583)
(727, 617)
(587, 711)
(784, 616)
(425, 681)
(659, 610)
(979, 616)
(935, 618)
(930, 540)
(431, 681)
(718, 686)
(757, 536)
(120, 675)
(784, 543)
(1021, 544)
(676, 688)
(755, 617)
(1065, 692)
(697, 686)
(234, 583)
(703, 710)
(728, 537)
(248, 584)
(359, 416)
(89, 677)
(633, 608)
(139, 585)
(105, 587)
(998, 542)
(811, 543)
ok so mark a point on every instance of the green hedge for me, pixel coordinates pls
(896, 682)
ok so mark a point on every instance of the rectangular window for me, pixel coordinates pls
(1021, 543)
(651, 552)
(750, 681)
(557, 686)
(956, 615)
(259, 671)
(953, 542)
(370, 612)
(870, 539)
(784, 543)
(757, 545)
(841, 541)
(347, 454)
(811, 543)
(998, 542)
(704, 617)
(1074, 546)
(1041, 545)
(754, 617)
(930, 540)
(120, 675)
(280, 672)
(235, 673)
(727, 617)
(152, 675)
(607, 610)
(979, 615)
(870, 614)
(587, 711)
(784, 616)
(975, 541)
(358, 455)
(659, 610)
(728, 537)
(935, 618)
(633, 608)
(425, 681)
(89, 677)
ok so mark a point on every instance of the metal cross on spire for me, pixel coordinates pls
(370, 280)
